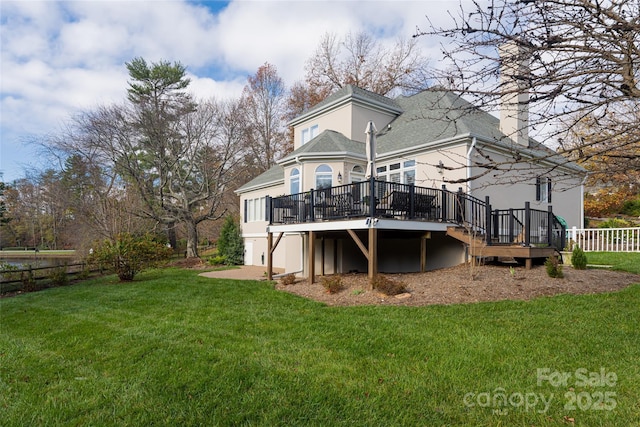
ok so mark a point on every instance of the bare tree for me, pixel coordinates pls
(360, 60)
(196, 169)
(583, 65)
(162, 156)
(264, 103)
(612, 157)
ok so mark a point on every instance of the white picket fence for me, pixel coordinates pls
(605, 239)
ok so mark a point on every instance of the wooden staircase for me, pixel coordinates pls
(478, 247)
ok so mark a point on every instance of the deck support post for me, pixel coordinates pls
(423, 253)
(269, 256)
(271, 247)
(373, 254)
(460, 207)
(312, 257)
(550, 226)
(488, 221)
(512, 224)
(527, 223)
(444, 209)
(322, 253)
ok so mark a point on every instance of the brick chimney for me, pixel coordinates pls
(514, 89)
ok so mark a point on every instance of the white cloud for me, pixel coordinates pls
(61, 57)
(207, 88)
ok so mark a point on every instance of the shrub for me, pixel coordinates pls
(631, 207)
(616, 223)
(333, 284)
(84, 273)
(59, 277)
(288, 279)
(9, 271)
(578, 259)
(217, 260)
(230, 243)
(388, 286)
(554, 268)
(29, 283)
(128, 255)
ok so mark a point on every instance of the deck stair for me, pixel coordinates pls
(479, 248)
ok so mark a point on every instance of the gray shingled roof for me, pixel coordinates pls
(437, 114)
(434, 115)
(350, 91)
(271, 176)
(329, 142)
(428, 116)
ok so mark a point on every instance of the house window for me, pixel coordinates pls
(294, 181)
(400, 172)
(357, 174)
(255, 209)
(309, 133)
(543, 189)
(409, 172)
(324, 177)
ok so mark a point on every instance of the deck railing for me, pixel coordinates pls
(605, 239)
(381, 199)
(528, 227)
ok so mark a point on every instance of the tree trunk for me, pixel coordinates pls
(192, 239)
(171, 235)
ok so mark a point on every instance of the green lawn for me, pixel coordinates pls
(176, 349)
(626, 261)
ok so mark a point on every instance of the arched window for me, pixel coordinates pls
(324, 177)
(294, 181)
(357, 174)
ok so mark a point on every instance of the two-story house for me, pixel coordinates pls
(316, 213)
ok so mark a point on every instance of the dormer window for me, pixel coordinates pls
(309, 133)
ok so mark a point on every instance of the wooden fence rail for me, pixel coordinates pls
(605, 239)
(31, 278)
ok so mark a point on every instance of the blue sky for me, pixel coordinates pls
(58, 58)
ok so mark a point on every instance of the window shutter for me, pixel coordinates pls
(246, 208)
(538, 189)
(549, 190)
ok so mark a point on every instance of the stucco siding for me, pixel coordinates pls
(428, 174)
(513, 188)
(338, 119)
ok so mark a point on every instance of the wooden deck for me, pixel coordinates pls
(523, 234)
(479, 248)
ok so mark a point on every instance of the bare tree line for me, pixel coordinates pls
(165, 161)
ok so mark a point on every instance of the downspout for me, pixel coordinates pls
(301, 174)
(302, 191)
(473, 146)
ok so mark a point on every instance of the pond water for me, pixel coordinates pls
(35, 261)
